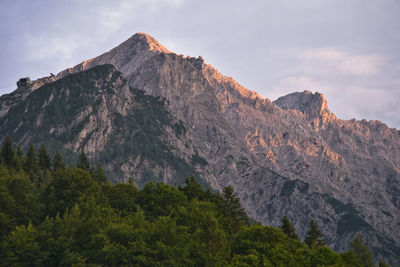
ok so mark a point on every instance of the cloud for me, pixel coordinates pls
(355, 85)
(114, 16)
(44, 46)
(347, 101)
(332, 59)
(88, 23)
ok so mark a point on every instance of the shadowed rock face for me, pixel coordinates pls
(290, 157)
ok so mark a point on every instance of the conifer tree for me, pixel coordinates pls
(44, 160)
(362, 251)
(382, 263)
(8, 154)
(19, 158)
(314, 237)
(30, 161)
(192, 189)
(58, 162)
(99, 175)
(288, 229)
(236, 215)
(83, 162)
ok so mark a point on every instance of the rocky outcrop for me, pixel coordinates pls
(290, 157)
(96, 111)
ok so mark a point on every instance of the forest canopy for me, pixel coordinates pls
(52, 214)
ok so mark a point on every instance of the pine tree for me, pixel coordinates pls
(19, 158)
(30, 161)
(83, 162)
(192, 189)
(288, 229)
(233, 210)
(98, 174)
(44, 160)
(8, 154)
(362, 251)
(382, 263)
(314, 237)
(58, 162)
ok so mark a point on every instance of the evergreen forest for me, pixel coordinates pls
(57, 215)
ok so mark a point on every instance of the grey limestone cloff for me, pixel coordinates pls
(290, 157)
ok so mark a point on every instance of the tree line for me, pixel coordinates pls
(52, 214)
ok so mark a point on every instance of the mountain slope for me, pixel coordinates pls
(97, 112)
(289, 157)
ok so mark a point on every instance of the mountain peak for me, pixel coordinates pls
(144, 40)
(126, 57)
(311, 105)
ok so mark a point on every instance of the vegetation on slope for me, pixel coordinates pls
(86, 104)
(52, 215)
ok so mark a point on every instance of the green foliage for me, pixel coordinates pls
(8, 154)
(382, 263)
(57, 162)
(83, 162)
(288, 229)
(30, 160)
(70, 216)
(324, 256)
(314, 237)
(21, 247)
(44, 160)
(160, 200)
(19, 202)
(192, 190)
(122, 197)
(361, 251)
(98, 174)
(235, 215)
(67, 188)
(266, 245)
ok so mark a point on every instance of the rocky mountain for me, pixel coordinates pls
(96, 111)
(289, 157)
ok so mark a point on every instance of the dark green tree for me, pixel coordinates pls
(123, 197)
(58, 162)
(44, 160)
(160, 199)
(192, 189)
(19, 158)
(314, 237)
(98, 174)
(382, 263)
(362, 252)
(30, 159)
(233, 211)
(350, 259)
(325, 256)
(8, 154)
(268, 246)
(288, 229)
(21, 248)
(83, 162)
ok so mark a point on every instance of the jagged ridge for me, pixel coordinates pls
(260, 147)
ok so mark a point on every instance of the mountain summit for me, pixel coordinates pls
(311, 105)
(155, 115)
(126, 56)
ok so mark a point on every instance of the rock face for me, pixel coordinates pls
(290, 157)
(96, 111)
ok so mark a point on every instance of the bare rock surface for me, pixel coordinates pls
(290, 157)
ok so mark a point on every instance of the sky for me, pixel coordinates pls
(348, 50)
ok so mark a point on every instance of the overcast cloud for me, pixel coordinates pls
(349, 50)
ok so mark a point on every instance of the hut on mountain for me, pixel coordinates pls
(23, 82)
